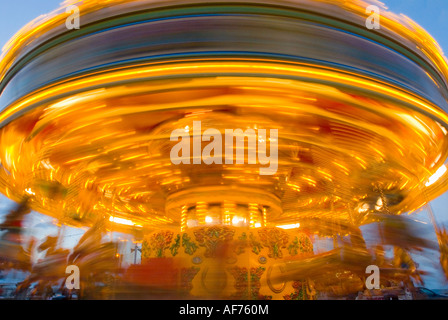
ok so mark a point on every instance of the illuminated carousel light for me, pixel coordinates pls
(290, 226)
(358, 118)
(436, 176)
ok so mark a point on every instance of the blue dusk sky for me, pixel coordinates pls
(430, 14)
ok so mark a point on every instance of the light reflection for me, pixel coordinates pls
(436, 176)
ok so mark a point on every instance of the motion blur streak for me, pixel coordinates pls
(85, 122)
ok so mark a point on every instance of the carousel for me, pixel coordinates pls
(86, 123)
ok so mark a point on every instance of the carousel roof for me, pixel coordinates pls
(87, 114)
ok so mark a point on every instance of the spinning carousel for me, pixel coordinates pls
(87, 115)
